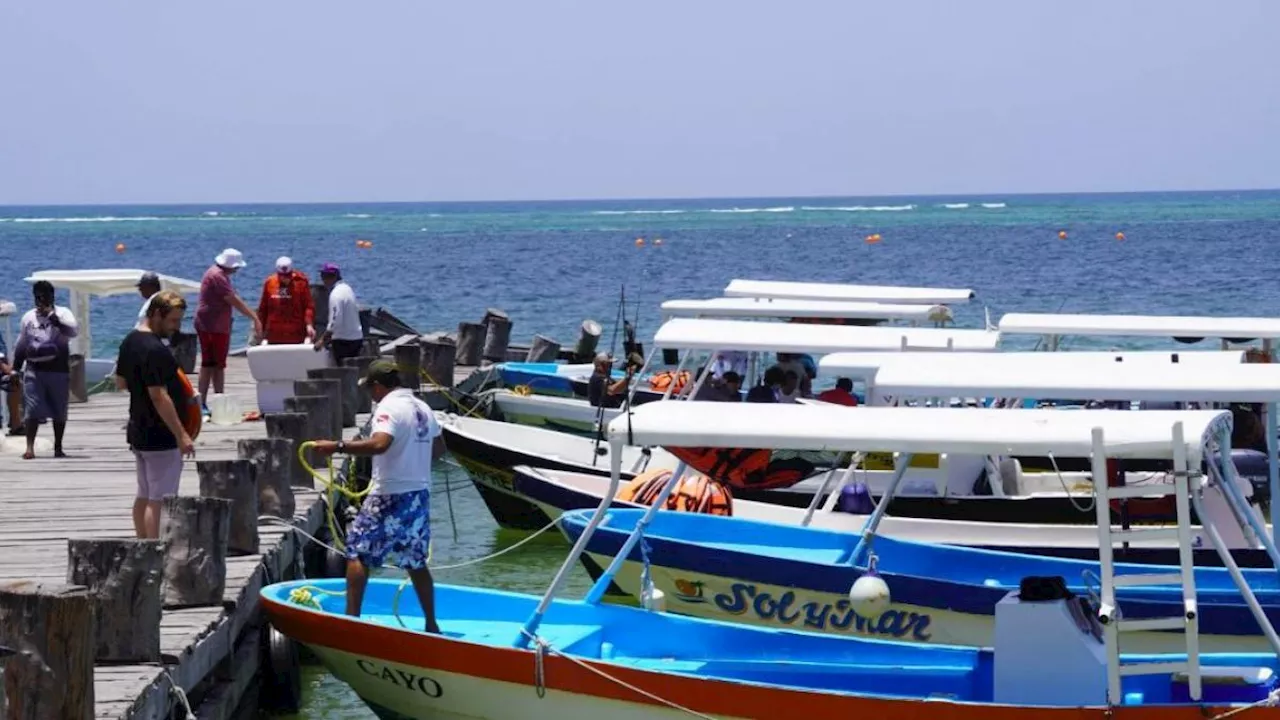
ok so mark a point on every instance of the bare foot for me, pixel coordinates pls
(28, 455)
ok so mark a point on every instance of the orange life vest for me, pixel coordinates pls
(745, 468)
(661, 381)
(189, 413)
(694, 493)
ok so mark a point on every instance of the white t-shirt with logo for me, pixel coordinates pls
(411, 423)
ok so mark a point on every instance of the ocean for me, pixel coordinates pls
(550, 265)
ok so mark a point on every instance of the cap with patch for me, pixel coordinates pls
(330, 269)
(383, 372)
(148, 278)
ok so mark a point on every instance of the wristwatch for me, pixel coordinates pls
(342, 446)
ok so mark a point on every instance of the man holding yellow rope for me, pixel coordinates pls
(395, 518)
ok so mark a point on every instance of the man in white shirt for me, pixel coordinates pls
(148, 285)
(395, 519)
(43, 347)
(343, 335)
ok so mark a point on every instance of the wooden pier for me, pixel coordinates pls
(212, 653)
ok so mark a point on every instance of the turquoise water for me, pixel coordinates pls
(551, 265)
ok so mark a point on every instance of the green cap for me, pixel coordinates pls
(383, 372)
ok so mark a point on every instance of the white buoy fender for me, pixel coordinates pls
(869, 595)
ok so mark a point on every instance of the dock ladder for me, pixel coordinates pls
(1113, 622)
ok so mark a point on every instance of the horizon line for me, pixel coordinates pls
(637, 199)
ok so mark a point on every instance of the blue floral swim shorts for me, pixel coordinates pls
(392, 529)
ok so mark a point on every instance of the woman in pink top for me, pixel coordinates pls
(213, 319)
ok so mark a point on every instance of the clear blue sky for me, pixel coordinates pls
(148, 101)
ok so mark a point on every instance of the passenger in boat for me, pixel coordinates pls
(286, 309)
(343, 333)
(44, 349)
(841, 394)
(213, 319)
(600, 391)
(726, 389)
(396, 516)
(767, 390)
(794, 363)
(789, 391)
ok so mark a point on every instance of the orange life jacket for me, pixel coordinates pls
(189, 413)
(745, 468)
(661, 381)
(694, 493)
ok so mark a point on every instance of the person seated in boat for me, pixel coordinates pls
(600, 391)
(767, 390)
(795, 363)
(395, 518)
(725, 389)
(789, 390)
(841, 394)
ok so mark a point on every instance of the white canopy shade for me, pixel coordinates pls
(698, 334)
(865, 364)
(1141, 325)
(855, 293)
(787, 308)
(968, 431)
(110, 282)
(1256, 383)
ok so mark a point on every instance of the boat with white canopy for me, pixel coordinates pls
(849, 293)
(868, 313)
(1184, 328)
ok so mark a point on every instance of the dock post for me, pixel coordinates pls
(543, 350)
(438, 357)
(470, 343)
(196, 531)
(273, 462)
(123, 577)
(292, 426)
(331, 389)
(497, 335)
(409, 360)
(588, 339)
(234, 480)
(348, 385)
(372, 348)
(50, 628)
(364, 401)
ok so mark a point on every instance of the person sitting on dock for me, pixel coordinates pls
(396, 516)
(344, 334)
(602, 393)
(44, 349)
(155, 433)
(286, 309)
(767, 390)
(841, 394)
(213, 319)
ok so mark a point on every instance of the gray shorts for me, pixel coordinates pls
(158, 472)
(45, 395)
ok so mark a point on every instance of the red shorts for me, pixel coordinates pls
(214, 348)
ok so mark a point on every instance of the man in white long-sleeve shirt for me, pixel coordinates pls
(343, 335)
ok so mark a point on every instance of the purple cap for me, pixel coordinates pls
(330, 269)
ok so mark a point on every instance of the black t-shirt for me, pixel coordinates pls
(598, 392)
(145, 362)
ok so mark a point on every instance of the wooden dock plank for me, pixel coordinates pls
(48, 500)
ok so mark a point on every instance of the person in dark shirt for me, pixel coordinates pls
(600, 391)
(156, 392)
(767, 390)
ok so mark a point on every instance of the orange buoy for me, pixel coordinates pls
(1119, 236)
(639, 242)
(1062, 234)
(873, 239)
(119, 247)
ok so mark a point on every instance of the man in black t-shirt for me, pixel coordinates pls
(155, 432)
(601, 390)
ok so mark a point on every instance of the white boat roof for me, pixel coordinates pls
(857, 293)
(700, 334)
(110, 281)
(969, 431)
(1141, 325)
(1248, 382)
(865, 364)
(789, 307)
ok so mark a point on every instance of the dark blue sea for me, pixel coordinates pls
(552, 264)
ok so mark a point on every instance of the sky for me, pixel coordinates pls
(322, 101)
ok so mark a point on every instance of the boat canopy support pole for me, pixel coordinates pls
(817, 496)
(615, 478)
(1234, 570)
(1273, 474)
(635, 383)
(706, 373)
(598, 590)
(1235, 499)
(902, 462)
(854, 461)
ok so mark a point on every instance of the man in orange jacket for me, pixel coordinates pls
(286, 309)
